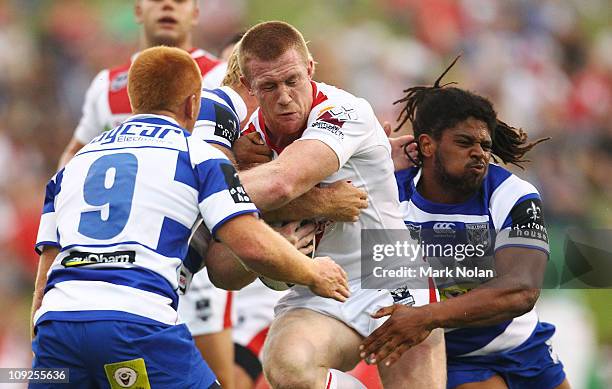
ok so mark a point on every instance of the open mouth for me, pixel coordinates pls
(167, 21)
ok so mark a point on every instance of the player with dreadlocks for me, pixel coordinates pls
(490, 280)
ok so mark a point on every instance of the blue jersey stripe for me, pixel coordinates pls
(184, 173)
(211, 178)
(52, 190)
(224, 96)
(173, 239)
(135, 277)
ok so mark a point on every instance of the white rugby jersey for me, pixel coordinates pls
(106, 101)
(347, 125)
(221, 112)
(122, 211)
(507, 211)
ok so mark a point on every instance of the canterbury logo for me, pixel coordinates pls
(439, 227)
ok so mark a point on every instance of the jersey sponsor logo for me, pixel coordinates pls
(119, 82)
(226, 125)
(235, 188)
(136, 132)
(78, 258)
(332, 128)
(444, 230)
(337, 116)
(528, 221)
(441, 226)
(341, 113)
(478, 234)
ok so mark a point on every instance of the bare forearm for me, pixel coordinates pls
(278, 259)
(46, 260)
(483, 306)
(266, 252)
(292, 174)
(310, 205)
(264, 187)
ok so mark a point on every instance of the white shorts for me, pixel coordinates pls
(205, 308)
(254, 313)
(356, 311)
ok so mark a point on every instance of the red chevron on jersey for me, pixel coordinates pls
(118, 99)
(317, 96)
(205, 61)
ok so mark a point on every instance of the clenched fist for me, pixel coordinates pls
(344, 202)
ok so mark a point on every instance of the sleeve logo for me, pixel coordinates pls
(234, 186)
(119, 82)
(534, 212)
(528, 221)
(337, 115)
(226, 126)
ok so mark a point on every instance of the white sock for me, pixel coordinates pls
(339, 380)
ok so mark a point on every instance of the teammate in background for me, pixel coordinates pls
(115, 229)
(457, 196)
(164, 22)
(206, 309)
(320, 134)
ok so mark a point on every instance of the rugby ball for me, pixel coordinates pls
(274, 284)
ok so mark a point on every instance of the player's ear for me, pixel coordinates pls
(196, 14)
(192, 107)
(246, 84)
(138, 11)
(310, 67)
(427, 145)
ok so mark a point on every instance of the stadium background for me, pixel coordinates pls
(547, 65)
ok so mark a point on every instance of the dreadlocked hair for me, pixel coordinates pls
(433, 109)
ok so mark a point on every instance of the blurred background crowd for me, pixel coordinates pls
(547, 66)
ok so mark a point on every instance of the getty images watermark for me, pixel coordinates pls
(461, 259)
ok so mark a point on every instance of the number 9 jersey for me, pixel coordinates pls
(121, 212)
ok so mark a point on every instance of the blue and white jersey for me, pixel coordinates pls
(122, 211)
(507, 211)
(221, 111)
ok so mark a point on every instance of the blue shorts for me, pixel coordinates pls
(119, 354)
(530, 365)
